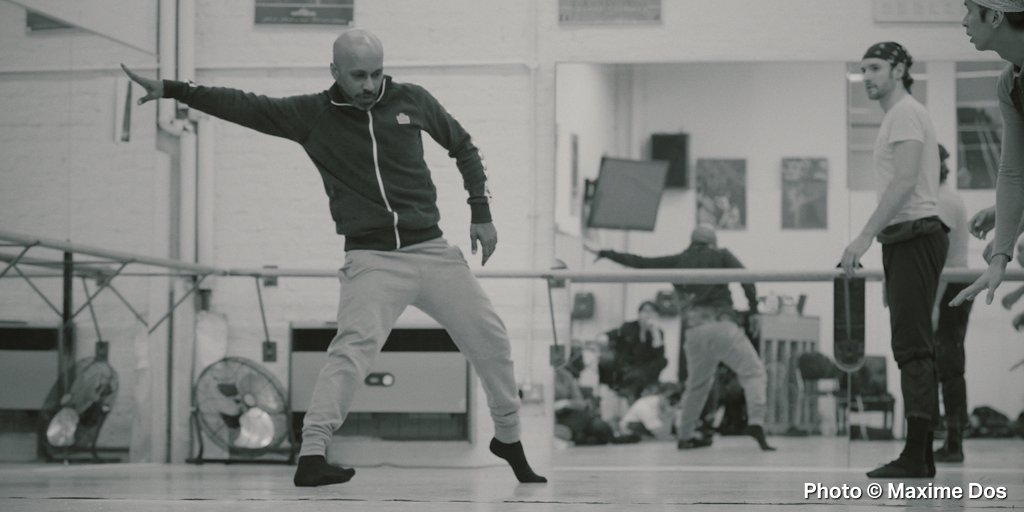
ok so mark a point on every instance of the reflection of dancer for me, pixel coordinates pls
(364, 135)
(714, 336)
(710, 341)
(950, 322)
(914, 245)
(998, 25)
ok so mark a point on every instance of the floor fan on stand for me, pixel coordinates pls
(237, 403)
(71, 420)
(240, 407)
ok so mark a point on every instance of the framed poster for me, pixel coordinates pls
(304, 12)
(722, 193)
(608, 12)
(804, 193)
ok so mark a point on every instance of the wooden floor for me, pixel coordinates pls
(731, 475)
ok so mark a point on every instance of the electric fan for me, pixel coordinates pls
(240, 407)
(72, 420)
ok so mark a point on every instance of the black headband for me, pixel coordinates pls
(893, 53)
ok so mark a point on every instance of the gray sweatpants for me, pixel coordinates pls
(376, 286)
(720, 342)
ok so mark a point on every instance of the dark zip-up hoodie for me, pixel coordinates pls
(379, 187)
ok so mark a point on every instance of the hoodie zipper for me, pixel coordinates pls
(376, 163)
(380, 180)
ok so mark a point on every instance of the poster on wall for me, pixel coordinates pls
(608, 12)
(304, 12)
(804, 193)
(722, 193)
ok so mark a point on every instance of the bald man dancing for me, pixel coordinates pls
(363, 135)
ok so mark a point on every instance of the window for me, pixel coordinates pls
(979, 124)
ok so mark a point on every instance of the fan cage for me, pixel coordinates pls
(208, 403)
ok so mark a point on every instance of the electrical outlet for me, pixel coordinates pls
(269, 352)
(269, 281)
(557, 355)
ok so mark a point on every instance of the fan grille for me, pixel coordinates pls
(240, 406)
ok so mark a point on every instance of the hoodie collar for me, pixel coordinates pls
(338, 98)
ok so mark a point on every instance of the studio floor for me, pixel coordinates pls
(731, 475)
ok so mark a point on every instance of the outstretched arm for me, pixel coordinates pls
(636, 261)
(290, 117)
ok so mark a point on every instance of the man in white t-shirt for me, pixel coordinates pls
(914, 245)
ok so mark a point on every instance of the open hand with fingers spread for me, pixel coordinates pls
(989, 280)
(154, 88)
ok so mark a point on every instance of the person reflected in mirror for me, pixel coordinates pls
(636, 354)
(949, 323)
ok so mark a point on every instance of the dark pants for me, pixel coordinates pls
(912, 270)
(949, 356)
(587, 427)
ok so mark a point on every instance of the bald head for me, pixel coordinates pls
(704, 234)
(357, 43)
(358, 67)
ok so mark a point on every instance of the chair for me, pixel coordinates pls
(866, 390)
(812, 368)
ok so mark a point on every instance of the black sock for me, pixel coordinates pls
(513, 454)
(953, 440)
(757, 432)
(313, 470)
(917, 440)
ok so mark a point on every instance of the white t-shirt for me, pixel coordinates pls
(908, 120)
(645, 410)
(954, 214)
